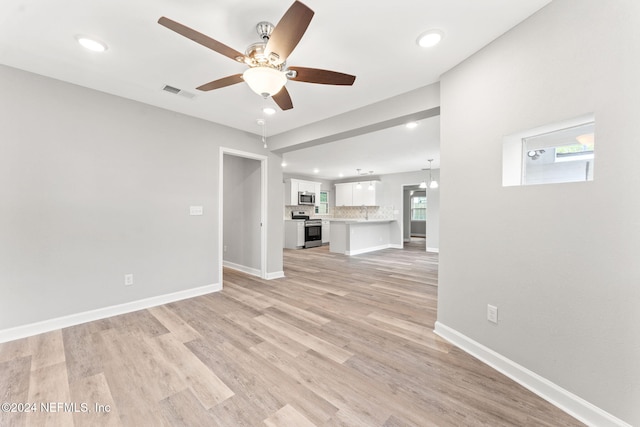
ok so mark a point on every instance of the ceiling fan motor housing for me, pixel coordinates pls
(264, 30)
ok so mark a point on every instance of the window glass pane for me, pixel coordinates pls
(418, 208)
(564, 155)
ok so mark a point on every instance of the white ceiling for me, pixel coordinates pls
(392, 150)
(373, 40)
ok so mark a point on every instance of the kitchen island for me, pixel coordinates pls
(358, 236)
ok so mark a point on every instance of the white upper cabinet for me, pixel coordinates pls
(307, 186)
(293, 186)
(344, 194)
(348, 194)
(316, 190)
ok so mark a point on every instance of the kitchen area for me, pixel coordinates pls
(345, 216)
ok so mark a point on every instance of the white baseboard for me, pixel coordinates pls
(249, 270)
(253, 271)
(275, 275)
(437, 250)
(563, 399)
(101, 313)
(365, 250)
(373, 249)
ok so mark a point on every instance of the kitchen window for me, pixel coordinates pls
(322, 207)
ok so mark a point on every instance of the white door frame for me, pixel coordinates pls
(263, 208)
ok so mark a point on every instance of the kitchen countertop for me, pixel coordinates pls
(359, 220)
(347, 220)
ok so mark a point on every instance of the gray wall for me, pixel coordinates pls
(559, 261)
(241, 215)
(94, 186)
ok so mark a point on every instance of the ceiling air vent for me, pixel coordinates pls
(171, 89)
(176, 91)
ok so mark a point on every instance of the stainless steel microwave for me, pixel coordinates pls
(306, 198)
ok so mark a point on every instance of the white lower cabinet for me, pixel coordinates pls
(326, 231)
(293, 234)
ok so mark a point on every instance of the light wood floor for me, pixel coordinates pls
(342, 341)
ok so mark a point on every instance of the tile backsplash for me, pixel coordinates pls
(348, 212)
(374, 212)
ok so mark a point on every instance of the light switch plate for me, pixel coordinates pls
(196, 210)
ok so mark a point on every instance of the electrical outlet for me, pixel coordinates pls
(196, 210)
(128, 279)
(492, 313)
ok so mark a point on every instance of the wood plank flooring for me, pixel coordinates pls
(341, 341)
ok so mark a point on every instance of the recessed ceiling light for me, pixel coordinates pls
(430, 38)
(269, 111)
(91, 44)
(316, 170)
(411, 125)
(341, 175)
(283, 164)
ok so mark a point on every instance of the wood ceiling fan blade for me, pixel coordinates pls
(324, 77)
(283, 99)
(200, 38)
(223, 82)
(287, 33)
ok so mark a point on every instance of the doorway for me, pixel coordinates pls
(242, 212)
(414, 215)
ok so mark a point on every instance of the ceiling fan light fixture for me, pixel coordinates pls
(265, 81)
(269, 111)
(91, 44)
(430, 38)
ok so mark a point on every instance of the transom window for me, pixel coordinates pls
(557, 153)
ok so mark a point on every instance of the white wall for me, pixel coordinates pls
(559, 261)
(242, 216)
(94, 186)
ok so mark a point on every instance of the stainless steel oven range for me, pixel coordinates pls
(312, 229)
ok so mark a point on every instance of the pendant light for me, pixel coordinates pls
(432, 182)
(263, 123)
(358, 185)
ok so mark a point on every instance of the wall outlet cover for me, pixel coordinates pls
(196, 210)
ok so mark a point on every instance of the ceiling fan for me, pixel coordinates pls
(268, 71)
